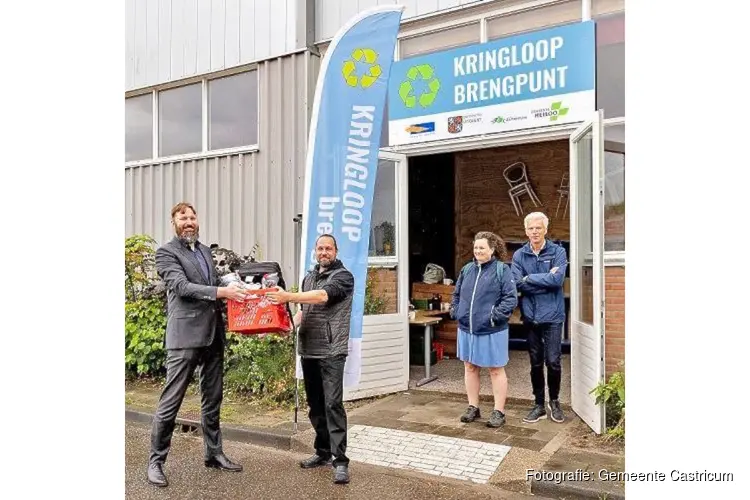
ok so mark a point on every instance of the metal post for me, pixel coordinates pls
(427, 350)
(585, 10)
(297, 244)
(428, 376)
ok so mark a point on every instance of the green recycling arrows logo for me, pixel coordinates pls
(426, 73)
(367, 56)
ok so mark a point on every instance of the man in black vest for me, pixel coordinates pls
(326, 299)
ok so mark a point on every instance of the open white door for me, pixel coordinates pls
(385, 336)
(587, 269)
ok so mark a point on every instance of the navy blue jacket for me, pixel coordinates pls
(482, 304)
(542, 299)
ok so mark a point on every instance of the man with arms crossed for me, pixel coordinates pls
(539, 271)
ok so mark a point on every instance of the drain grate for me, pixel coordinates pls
(188, 428)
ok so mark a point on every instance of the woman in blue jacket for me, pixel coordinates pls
(483, 301)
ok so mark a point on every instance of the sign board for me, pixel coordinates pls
(531, 80)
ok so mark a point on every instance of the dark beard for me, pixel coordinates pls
(189, 239)
(325, 265)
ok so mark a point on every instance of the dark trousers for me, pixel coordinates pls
(324, 386)
(545, 348)
(181, 363)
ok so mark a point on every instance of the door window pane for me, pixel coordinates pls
(180, 126)
(139, 127)
(610, 65)
(383, 222)
(614, 188)
(233, 111)
(584, 234)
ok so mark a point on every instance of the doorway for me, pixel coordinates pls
(584, 203)
(454, 195)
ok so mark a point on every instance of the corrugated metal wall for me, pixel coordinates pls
(167, 40)
(330, 15)
(241, 199)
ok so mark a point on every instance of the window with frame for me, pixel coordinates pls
(139, 127)
(381, 292)
(233, 111)
(439, 40)
(610, 64)
(230, 121)
(614, 188)
(383, 239)
(535, 19)
(181, 120)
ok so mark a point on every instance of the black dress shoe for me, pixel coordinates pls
(156, 475)
(315, 461)
(223, 463)
(341, 474)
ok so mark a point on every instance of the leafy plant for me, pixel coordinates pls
(612, 395)
(140, 268)
(389, 237)
(145, 326)
(258, 368)
(145, 311)
(374, 304)
(261, 368)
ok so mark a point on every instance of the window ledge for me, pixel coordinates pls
(614, 259)
(193, 156)
(382, 262)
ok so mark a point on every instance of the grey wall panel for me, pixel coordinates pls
(168, 40)
(241, 199)
(330, 15)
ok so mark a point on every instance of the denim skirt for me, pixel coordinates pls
(487, 351)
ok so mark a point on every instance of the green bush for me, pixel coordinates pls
(612, 395)
(260, 367)
(145, 326)
(255, 368)
(374, 304)
(145, 310)
(140, 267)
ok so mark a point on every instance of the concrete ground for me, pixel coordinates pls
(437, 416)
(274, 474)
(450, 379)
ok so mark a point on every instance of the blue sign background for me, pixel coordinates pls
(578, 53)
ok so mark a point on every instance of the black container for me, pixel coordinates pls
(258, 269)
(416, 348)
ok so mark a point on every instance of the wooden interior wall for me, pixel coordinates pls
(481, 195)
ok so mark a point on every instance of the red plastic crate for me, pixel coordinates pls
(249, 318)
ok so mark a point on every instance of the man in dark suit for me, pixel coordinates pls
(195, 339)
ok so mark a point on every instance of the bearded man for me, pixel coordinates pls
(326, 298)
(195, 338)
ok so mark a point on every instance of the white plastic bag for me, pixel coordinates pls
(433, 274)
